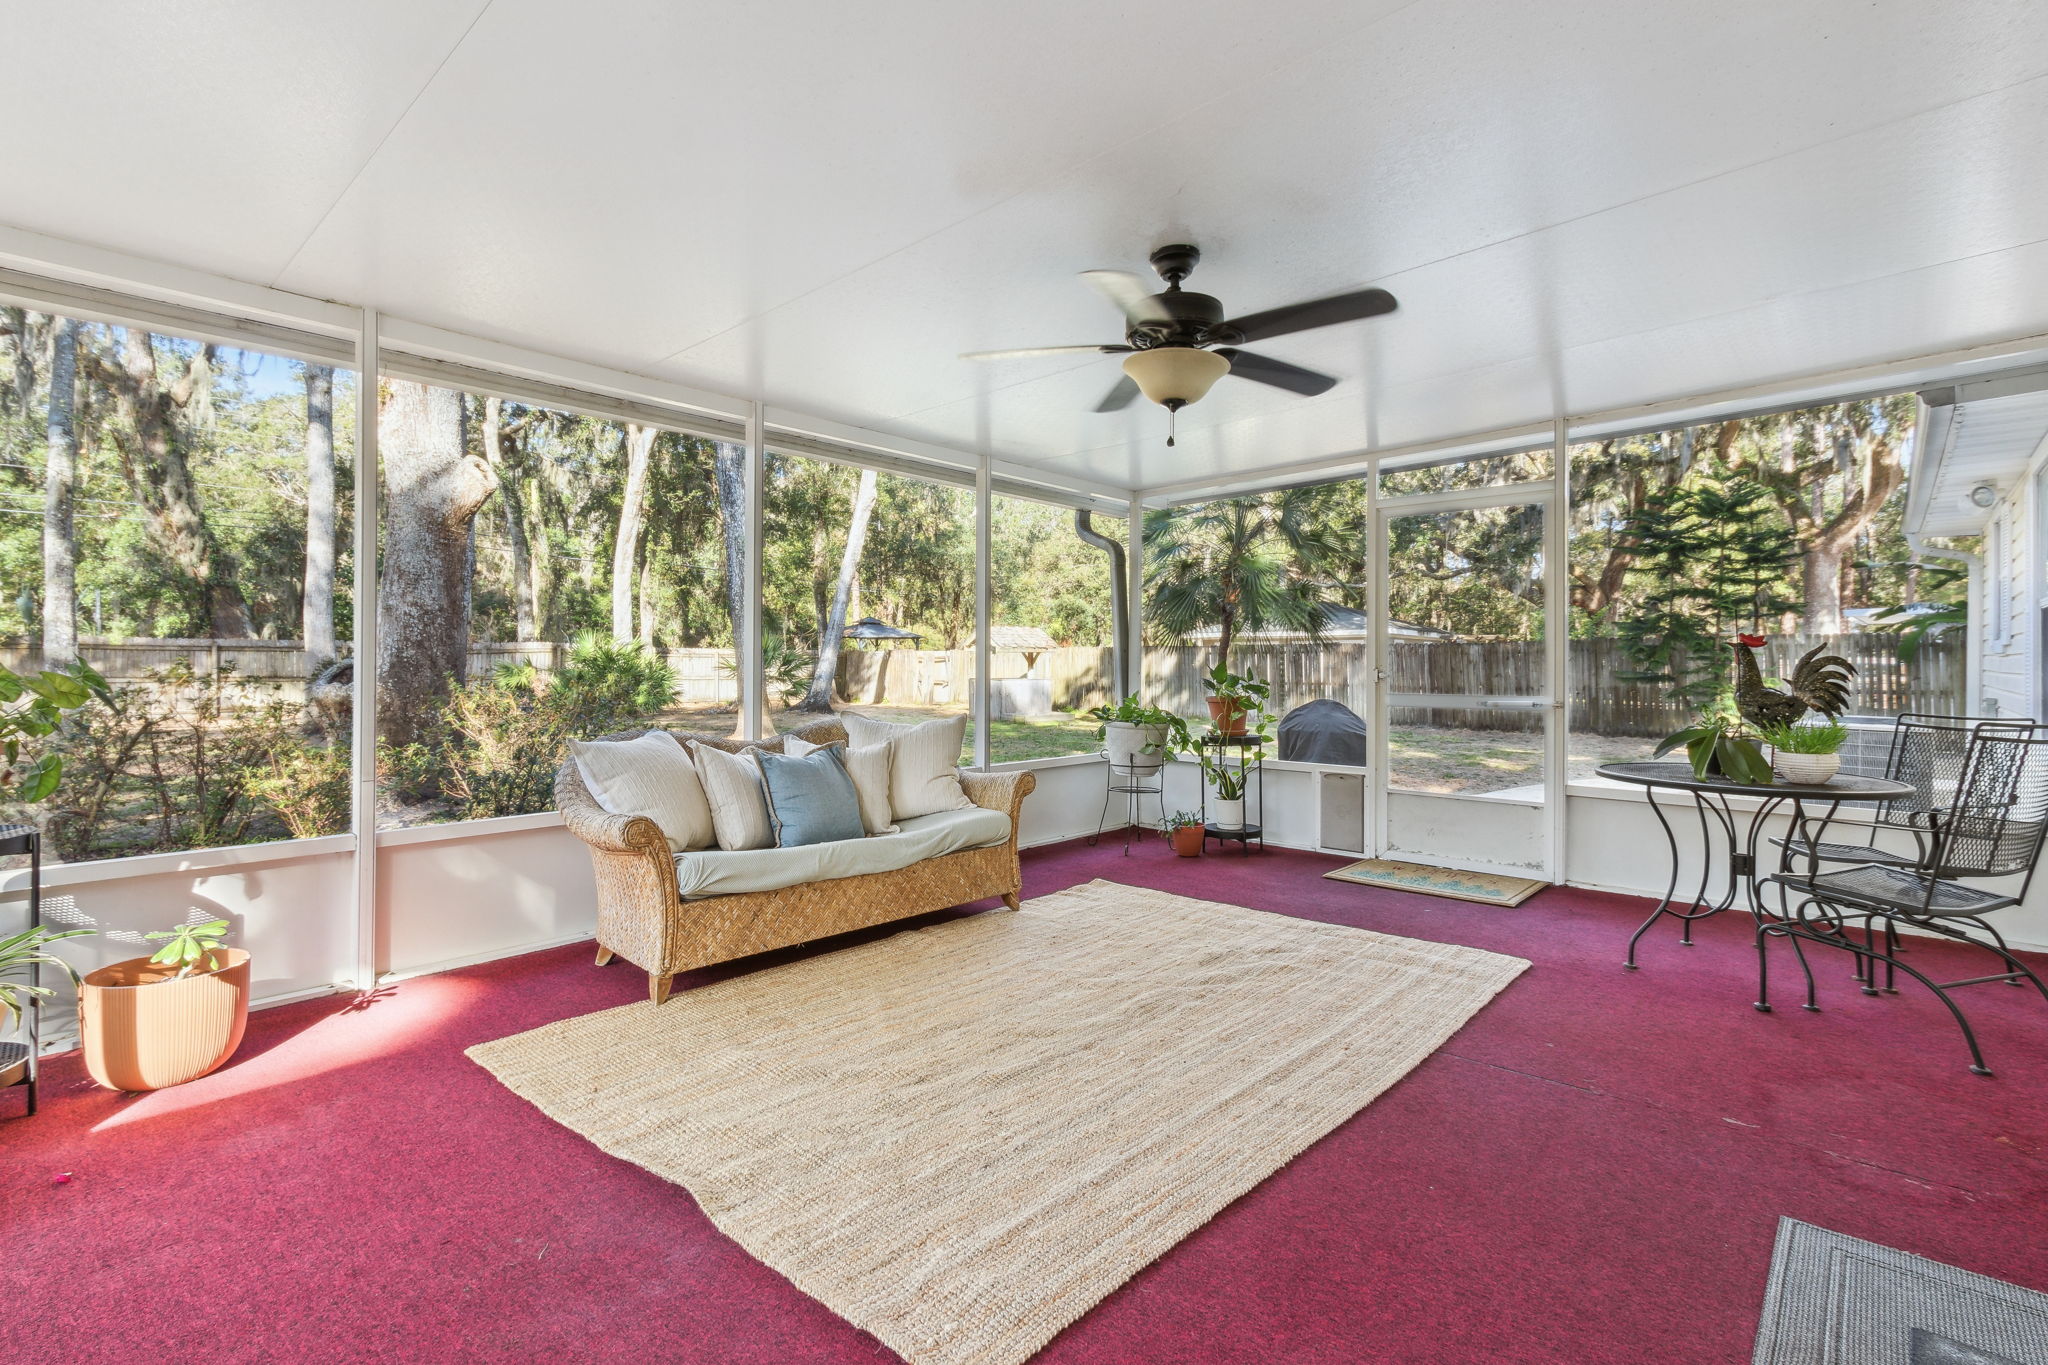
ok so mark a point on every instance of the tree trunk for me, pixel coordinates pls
(647, 596)
(729, 464)
(60, 484)
(632, 516)
(16, 320)
(512, 492)
(825, 680)
(433, 489)
(316, 605)
(154, 464)
(1821, 579)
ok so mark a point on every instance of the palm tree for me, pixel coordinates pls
(1247, 564)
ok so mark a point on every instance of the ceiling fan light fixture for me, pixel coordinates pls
(1174, 376)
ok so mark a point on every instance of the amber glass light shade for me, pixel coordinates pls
(1175, 374)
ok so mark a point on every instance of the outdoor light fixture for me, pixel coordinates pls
(1174, 376)
(1984, 495)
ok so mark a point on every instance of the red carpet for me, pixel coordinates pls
(1591, 1171)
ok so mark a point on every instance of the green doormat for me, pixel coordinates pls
(1487, 888)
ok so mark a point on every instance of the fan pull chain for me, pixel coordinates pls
(1169, 426)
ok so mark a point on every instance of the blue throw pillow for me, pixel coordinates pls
(811, 800)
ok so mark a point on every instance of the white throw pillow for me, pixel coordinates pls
(650, 776)
(924, 762)
(869, 769)
(739, 804)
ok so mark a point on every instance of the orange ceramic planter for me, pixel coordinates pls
(144, 1028)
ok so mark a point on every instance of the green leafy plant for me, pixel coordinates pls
(31, 709)
(1824, 738)
(1246, 694)
(1131, 711)
(18, 952)
(189, 944)
(1228, 778)
(1930, 618)
(1181, 819)
(1717, 744)
(787, 670)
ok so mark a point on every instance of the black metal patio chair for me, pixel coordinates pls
(1992, 827)
(1926, 751)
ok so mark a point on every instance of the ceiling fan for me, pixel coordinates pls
(1178, 343)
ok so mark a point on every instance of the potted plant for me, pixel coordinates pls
(1227, 778)
(1232, 698)
(18, 953)
(1720, 745)
(1136, 737)
(1184, 831)
(31, 709)
(168, 1018)
(1806, 755)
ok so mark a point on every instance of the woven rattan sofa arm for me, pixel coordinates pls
(999, 791)
(598, 827)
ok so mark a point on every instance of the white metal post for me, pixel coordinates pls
(1557, 630)
(984, 509)
(363, 731)
(1134, 600)
(1377, 748)
(752, 663)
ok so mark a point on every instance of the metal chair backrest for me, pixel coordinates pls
(1930, 753)
(1995, 824)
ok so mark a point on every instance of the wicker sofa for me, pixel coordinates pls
(642, 917)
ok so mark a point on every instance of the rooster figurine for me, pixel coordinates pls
(1820, 682)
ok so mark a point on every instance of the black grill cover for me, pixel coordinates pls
(1323, 731)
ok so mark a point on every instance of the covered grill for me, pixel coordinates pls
(1323, 731)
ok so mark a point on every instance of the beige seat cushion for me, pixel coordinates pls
(924, 762)
(722, 873)
(869, 769)
(739, 804)
(649, 775)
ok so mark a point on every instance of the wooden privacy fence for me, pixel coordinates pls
(1602, 702)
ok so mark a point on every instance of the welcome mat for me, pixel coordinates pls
(1487, 888)
(1836, 1300)
(960, 1138)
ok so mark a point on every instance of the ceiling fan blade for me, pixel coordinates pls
(1299, 317)
(1128, 293)
(1043, 350)
(1278, 373)
(1119, 397)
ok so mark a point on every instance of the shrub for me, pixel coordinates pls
(308, 786)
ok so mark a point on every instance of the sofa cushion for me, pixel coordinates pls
(721, 873)
(811, 799)
(649, 775)
(739, 807)
(924, 761)
(869, 769)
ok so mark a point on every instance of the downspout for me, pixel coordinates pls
(1973, 634)
(1084, 527)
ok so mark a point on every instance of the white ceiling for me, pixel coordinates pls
(820, 204)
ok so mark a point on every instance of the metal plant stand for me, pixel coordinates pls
(25, 839)
(1130, 780)
(1249, 751)
(1726, 840)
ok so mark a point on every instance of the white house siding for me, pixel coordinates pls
(2010, 614)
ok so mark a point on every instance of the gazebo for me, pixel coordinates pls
(875, 633)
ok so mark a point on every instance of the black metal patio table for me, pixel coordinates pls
(1721, 827)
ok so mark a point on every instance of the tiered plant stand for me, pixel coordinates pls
(1246, 753)
(25, 839)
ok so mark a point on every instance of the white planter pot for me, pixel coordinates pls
(1806, 770)
(1227, 814)
(1140, 748)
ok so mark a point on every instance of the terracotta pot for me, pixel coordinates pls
(145, 1028)
(1187, 841)
(1226, 716)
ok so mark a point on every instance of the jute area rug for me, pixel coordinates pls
(963, 1137)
